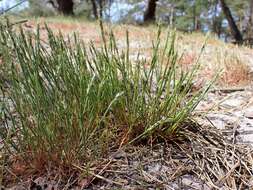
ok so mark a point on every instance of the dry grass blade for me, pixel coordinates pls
(98, 176)
(220, 162)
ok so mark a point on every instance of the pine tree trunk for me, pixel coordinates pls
(171, 21)
(66, 7)
(250, 24)
(149, 15)
(216, 21)
(196, 19)
(94, 9)
(234, 29)
(196, 24)
(214, 18)
(100, 4)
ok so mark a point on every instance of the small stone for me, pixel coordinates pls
(249, 113)
(187, 181)
(221, 121)
(122, 181)
(246, 138)
(232, 103)
(120, 154)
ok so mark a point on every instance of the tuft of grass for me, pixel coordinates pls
(73, 101)
(236, 72)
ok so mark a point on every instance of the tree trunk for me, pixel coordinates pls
(217, 26)
(171, 22)
(66, 7)
(195, 18)
(94, 9)
(100, 5)
(97, 8)
(234, 29)
(196, 23)
(149, 15)
(215, 19)
(250, 23)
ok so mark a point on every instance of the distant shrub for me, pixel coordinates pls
(40, 8)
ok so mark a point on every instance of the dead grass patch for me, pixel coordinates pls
(234, 70)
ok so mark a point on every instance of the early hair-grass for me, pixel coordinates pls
(71, 102)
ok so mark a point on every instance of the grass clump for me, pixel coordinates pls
(236, 72)
(73, 101)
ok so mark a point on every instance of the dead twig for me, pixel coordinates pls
(99, 176)
(12, 7)
(227, 90)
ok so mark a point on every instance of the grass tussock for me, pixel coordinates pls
(236, 72)
(67, 103)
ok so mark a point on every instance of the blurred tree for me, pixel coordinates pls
(38, 8)
(98, 7)
(250, 21)
(149, 14)
(65, 7)
(188, 15)
(94, 8)
(185, 15)
(217, 18)
(234, 29)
